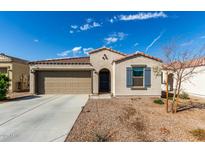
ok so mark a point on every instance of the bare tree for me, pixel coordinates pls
(182, 63)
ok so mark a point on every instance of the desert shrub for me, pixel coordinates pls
(4, 85)
(158, 101)
(184, 95)
(104, 135)
(199, 134)
(102, 138)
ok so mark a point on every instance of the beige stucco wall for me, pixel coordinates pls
(117, 73)
(120, 77)
(15, 71)
(6, 62)
(20, 70)
(9, 67)
(36, 67)
(98, 63)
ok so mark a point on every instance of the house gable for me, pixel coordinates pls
(121, 67)
(4, 58)
(139, 54)
(104, 58)
(105, 48)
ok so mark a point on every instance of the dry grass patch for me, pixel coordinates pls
(199, 134)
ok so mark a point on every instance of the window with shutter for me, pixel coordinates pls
(129, 77)
(138, 77)
(147, 77)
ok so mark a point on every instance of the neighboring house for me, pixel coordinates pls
(195, 85)
(17, 71)
(104, 71)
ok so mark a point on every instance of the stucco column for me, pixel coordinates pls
(10, 78)
(113, 79)
(95, 82)
(32, 82)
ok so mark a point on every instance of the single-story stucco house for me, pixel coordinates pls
(195, 85)
(104, 71)
(17, 70)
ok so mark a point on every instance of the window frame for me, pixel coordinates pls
(134, 77)
(4, 68)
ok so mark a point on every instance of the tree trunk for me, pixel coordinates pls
(167, 94)
(177, 99)
(174, 96)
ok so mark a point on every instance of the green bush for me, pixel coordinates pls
(158, 101)
(4, 85)
(184, 95)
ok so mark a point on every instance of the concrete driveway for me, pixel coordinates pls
(40, 118)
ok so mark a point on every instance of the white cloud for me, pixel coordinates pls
(111, 40)
(74, 26)
(75, 51)
(86, 50)
(89, 20)
(85, 27)
(95, 24)
(115, 37)
(112, 20)
(187, 43)
(64, 53)
(71, 31)
(136, 44)
(89, 26)
(137, 51)
(121, 35)
(202, 37)
(154, 41)
(90, 23)
(36, 40)
(142, 16)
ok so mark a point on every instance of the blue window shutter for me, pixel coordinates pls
(147, 77)
(129, 77)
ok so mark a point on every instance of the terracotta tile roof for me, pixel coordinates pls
(138, 54)
(77, 60)
(187, 64)
(105, 48)
(86, 60)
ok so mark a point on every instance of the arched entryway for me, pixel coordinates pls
(104, 81)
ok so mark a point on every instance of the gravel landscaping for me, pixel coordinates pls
(137, 119)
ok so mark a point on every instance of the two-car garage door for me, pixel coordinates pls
(63, 82)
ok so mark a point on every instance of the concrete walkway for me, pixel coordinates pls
(40, 118)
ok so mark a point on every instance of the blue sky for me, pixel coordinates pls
(45, 35)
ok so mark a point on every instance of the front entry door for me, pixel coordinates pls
(104, 85)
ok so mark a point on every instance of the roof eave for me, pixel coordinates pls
(137, 54)
(105, 48)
